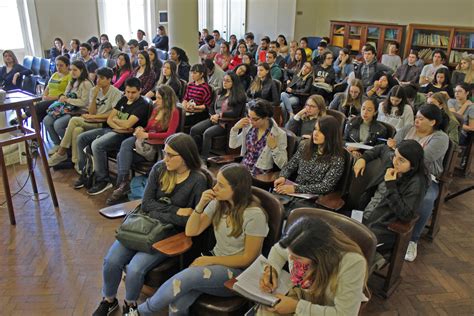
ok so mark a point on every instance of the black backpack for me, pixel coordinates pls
(88, 170)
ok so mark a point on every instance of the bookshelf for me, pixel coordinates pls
(455, 41)
(357, 34)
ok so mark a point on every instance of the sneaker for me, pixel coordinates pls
(411, 251)
(129, 310)
(56, 159)
(53, 150)
(100, 187)
(79, 183)
(105, 308)
(119, 193)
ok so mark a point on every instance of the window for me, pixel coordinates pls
(123, 17)
(11, 37)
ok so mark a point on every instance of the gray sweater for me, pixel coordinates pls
(185, 195)
(435, 148)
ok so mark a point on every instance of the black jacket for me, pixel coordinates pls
(376, 130)
(269, 92)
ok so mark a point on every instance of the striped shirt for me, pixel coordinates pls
(201, 94)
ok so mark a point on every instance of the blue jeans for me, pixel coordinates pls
(56, 127)
(288, 101)
(425, 210)
(126, 157)
(192, 285)
(136, 264)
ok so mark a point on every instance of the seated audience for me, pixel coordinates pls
(297, 91)
(290, 58)
(243, 72)
(440, 99)
(215, 74)
(178, 179)
(122, 70)
(318, 164)
(109, 52)
(275, 70)
(240, 227)
(318, 52)
(370, 67)
(262, 50)
(324, 76)
(250, 62)
(203, 35)
(350, 101)
(275, 46)
(233, 43)
(134, 49)
(428, 72)
(396, 191)
(210, 49)
(294, 66)
(262, 142)
(130, 112)
(163, 122)
(441, 83)
(395, 110)
(383, 84)
(179, 56)
(85, 52)
(464, 72)
(343, 67)
(428, 131)
(281, 39)
(239, 55)
(263, 86)
(223, 58)
(392, 59)
(11, 75)
(155, 62)
(313, 249)
(463, 106)
(168, 77)
(409, 72)
(144, 72)
(161, 40)
(58, 49)
(75, 96)
(198, 96)
(74, 53)
(94, 44)
(122, 44)
(307, 50)
(230, 104)
(365, 129)
(251, 45)
(302, 123)
(414, 98)
(217, 37)
(103, 98)
(142, 43)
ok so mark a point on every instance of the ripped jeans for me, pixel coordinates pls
(182, 289)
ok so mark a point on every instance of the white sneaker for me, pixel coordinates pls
(411, 251)
(53, 150)
(56, 159)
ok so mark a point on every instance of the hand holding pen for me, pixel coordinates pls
(269, 280)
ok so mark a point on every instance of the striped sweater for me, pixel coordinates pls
(200, 93)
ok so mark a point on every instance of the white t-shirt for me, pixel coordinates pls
(430, 70)
(406, 119)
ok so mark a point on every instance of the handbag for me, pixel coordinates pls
(139, 231)
(144, 149)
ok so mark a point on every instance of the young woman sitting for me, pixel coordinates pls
(75, 96)
(240, 227)
(464, 72)
(168, 77)
(237, 60)
(440, 83)
(173, 190)
(395, 110)
(163, 122)
(293, 66)
(122, 70)
(328, 271)
(198, 96)
(243, 72)
(178, 55)
(263, 86)
(324, 76)
(350, 101)
(302, 124)
(229, 104)
(382, 85)
(365, 129)
(318, 162)
(250, 62)
(463, 106)
(297, 91)
(396, 191)
(262, 142)
(343, 67)
(428, 131)
(155, 62)
(144, 72)
(11, 75)
(223, 58)
(439, 99)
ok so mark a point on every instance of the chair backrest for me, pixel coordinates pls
(163, 55)
(44, 68)
(356, 231)
(448, 160)
(27, 62)
(182, 119)
(278, 84)
(460, 119)
(313, 41)
(391, 130)
(29, 84)
(182, 91)
(35, 66)
(339, 116)
(291, 143)
(151, 105)
(275, 212)
(358, 185)
(345, 181)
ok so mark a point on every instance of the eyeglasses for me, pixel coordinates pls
(167, 154)
(311, 105)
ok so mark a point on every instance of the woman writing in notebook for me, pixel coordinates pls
(328, 271)
(240, 226)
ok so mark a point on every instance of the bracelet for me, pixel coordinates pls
(198, 212)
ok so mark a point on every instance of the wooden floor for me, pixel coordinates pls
(50, 263)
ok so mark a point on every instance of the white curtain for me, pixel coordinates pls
(29, 29)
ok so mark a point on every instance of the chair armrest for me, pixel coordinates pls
(222, 160)
(332, 201)
(174, 245)
(401, 227)
(155, 141)
(267, 177)
(96, 120)
(228, 120)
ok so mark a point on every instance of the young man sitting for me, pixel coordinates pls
(409, 72)
(370, 67)
(428, 72)
(275, 46)
(392, 60)
(275, 70)
(134, 49)
(210, 49)
(130, 111)
(85, 51)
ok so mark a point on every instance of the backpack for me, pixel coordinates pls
(88, 170)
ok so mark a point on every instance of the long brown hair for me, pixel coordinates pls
(442, 100)
(325, 246)
(169, 104)
(320, 103)
(332, 146)
(257, 83)
(240, 180)
(11, 53)
(348, 101)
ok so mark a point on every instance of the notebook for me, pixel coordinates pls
(248, 286)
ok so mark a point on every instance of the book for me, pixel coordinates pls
(359, 146)
(307, 196)
(248, 285)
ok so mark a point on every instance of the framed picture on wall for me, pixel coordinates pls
(163, 17)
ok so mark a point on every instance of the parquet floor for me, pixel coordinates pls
(50, 263)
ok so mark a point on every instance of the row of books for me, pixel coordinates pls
(464, 41)
(430, 39)
(425, 53)
(455, 56)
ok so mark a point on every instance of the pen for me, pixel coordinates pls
(271, 285)
(382, 139)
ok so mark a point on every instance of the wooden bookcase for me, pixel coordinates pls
(455, 41)
(357, 34)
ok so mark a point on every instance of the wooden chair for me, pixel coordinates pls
(339, 116)
(230, 306)
(403, 230)
(277, 113)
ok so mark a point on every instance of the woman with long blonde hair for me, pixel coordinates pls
(328, 271)
(464, 72)
(440, 99)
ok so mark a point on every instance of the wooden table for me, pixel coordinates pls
(17, 100)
